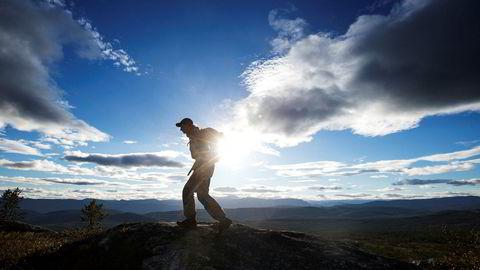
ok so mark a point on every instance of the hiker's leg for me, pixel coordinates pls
(187, 196)
(210, 204)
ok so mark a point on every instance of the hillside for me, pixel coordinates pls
(60, 220)
(164, 246)
(257, 213)
(345, 226)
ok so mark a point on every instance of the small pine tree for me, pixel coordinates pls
(93, 214)
(9, 205)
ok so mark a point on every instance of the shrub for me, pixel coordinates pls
(9, 208)
(465, 250)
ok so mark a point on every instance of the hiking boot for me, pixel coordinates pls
(224, 224)
(187, 223)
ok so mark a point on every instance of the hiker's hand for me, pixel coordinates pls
(195, 165)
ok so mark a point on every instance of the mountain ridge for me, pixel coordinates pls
(153, 205)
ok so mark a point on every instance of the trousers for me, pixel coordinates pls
(199, 182)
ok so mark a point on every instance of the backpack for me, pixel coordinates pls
(203, 146)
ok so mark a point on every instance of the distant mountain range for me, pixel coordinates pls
(148, 206)
(133, 206)
(446, 210)
(432, 205)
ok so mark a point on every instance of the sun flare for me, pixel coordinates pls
(234, 148)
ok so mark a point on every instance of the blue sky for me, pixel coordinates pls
(318, 100)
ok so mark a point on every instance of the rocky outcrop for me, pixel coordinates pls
(166, 246)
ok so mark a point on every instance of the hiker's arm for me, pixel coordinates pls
(195, 165)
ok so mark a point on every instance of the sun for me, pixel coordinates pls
(234, 149)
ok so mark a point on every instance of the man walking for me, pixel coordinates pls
(202, 149)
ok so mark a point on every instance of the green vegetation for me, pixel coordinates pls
(93, 215)
(464, 249)
(23, 241)
(18, 245)
(431, 249)
(9, 205)
(430, 246)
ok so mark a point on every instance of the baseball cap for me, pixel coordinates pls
(185, 121)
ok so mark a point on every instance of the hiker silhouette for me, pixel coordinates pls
(202, 143)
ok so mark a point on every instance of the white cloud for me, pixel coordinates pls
(439, 169)
(33, 165)
(169, 177)
(289, 31)
(468, 143)
(265, 149)
(33, 35)
(226, 189)
(311, 169)
(129, 142)
(141, 192)
(379, 176)
(456, 162)
(453, 155)
(465, 182)
(424, 182)
(18, 147)
(354, 195)
(152, 159)
(451, 194)
(390, 189)
(40, 145)
(260, 189)
(396, 196)
(303, 181)
(118, 56)
(325, 188)
(66, 181)
(376, 79)
(98, 171)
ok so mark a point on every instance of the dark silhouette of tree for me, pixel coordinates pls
(93, 214)
(9, 205)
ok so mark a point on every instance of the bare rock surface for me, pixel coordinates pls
(166, 246)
